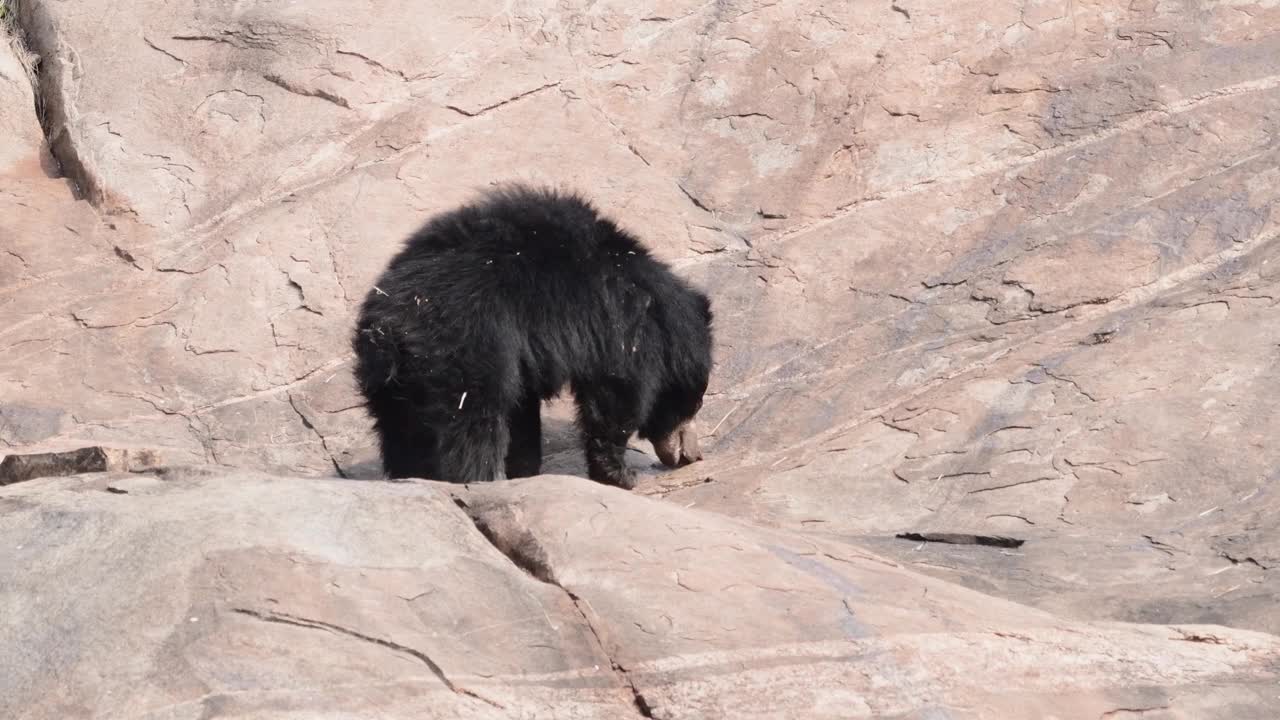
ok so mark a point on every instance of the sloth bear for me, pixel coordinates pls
(499, 304)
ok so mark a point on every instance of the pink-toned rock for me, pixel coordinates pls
(217, 593)
(978, 269)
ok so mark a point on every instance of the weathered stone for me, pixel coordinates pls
(979, 270)
(23, 425)
(17, 468)
(235, 594)
(230, 595)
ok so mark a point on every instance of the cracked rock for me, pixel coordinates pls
(995, 270)
(416, 599)
(17, 468)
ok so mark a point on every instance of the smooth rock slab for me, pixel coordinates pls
(709, 617)
(202, 593)
(208, 593)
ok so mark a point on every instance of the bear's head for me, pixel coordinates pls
(671, 425)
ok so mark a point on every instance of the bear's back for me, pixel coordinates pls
(552, 230)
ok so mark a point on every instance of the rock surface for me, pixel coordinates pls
(980, 269)
(20, 467)
(215, 593)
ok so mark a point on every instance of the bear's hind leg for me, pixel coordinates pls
(474, 449)
(406, 441)
(524, 453)
(407, 454)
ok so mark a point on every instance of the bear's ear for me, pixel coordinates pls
(606, 230)
(613, 236)
(704, 303)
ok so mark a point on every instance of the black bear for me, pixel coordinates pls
(499, 304)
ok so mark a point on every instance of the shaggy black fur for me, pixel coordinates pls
(495, 306)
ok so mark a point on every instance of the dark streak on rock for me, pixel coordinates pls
(126, 256)
(500, 103)
(306, 92)
(962, 539)
(696, 202)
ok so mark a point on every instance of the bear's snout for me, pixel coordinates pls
(681, 447)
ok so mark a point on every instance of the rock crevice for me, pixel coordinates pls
(521, 547)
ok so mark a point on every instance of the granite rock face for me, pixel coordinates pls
(980, 270)
(213, 593)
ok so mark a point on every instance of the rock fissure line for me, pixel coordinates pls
(637, 697)
(302, 622)
(48, 75)
(535, 565)
(324, 443)
(1128, 299)
(1136, 121)
(12, 22)
(507, 101)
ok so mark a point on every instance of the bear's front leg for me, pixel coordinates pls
(607, 417)
(606, 461)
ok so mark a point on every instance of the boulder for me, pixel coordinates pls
(212, 593)
(17, 468)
